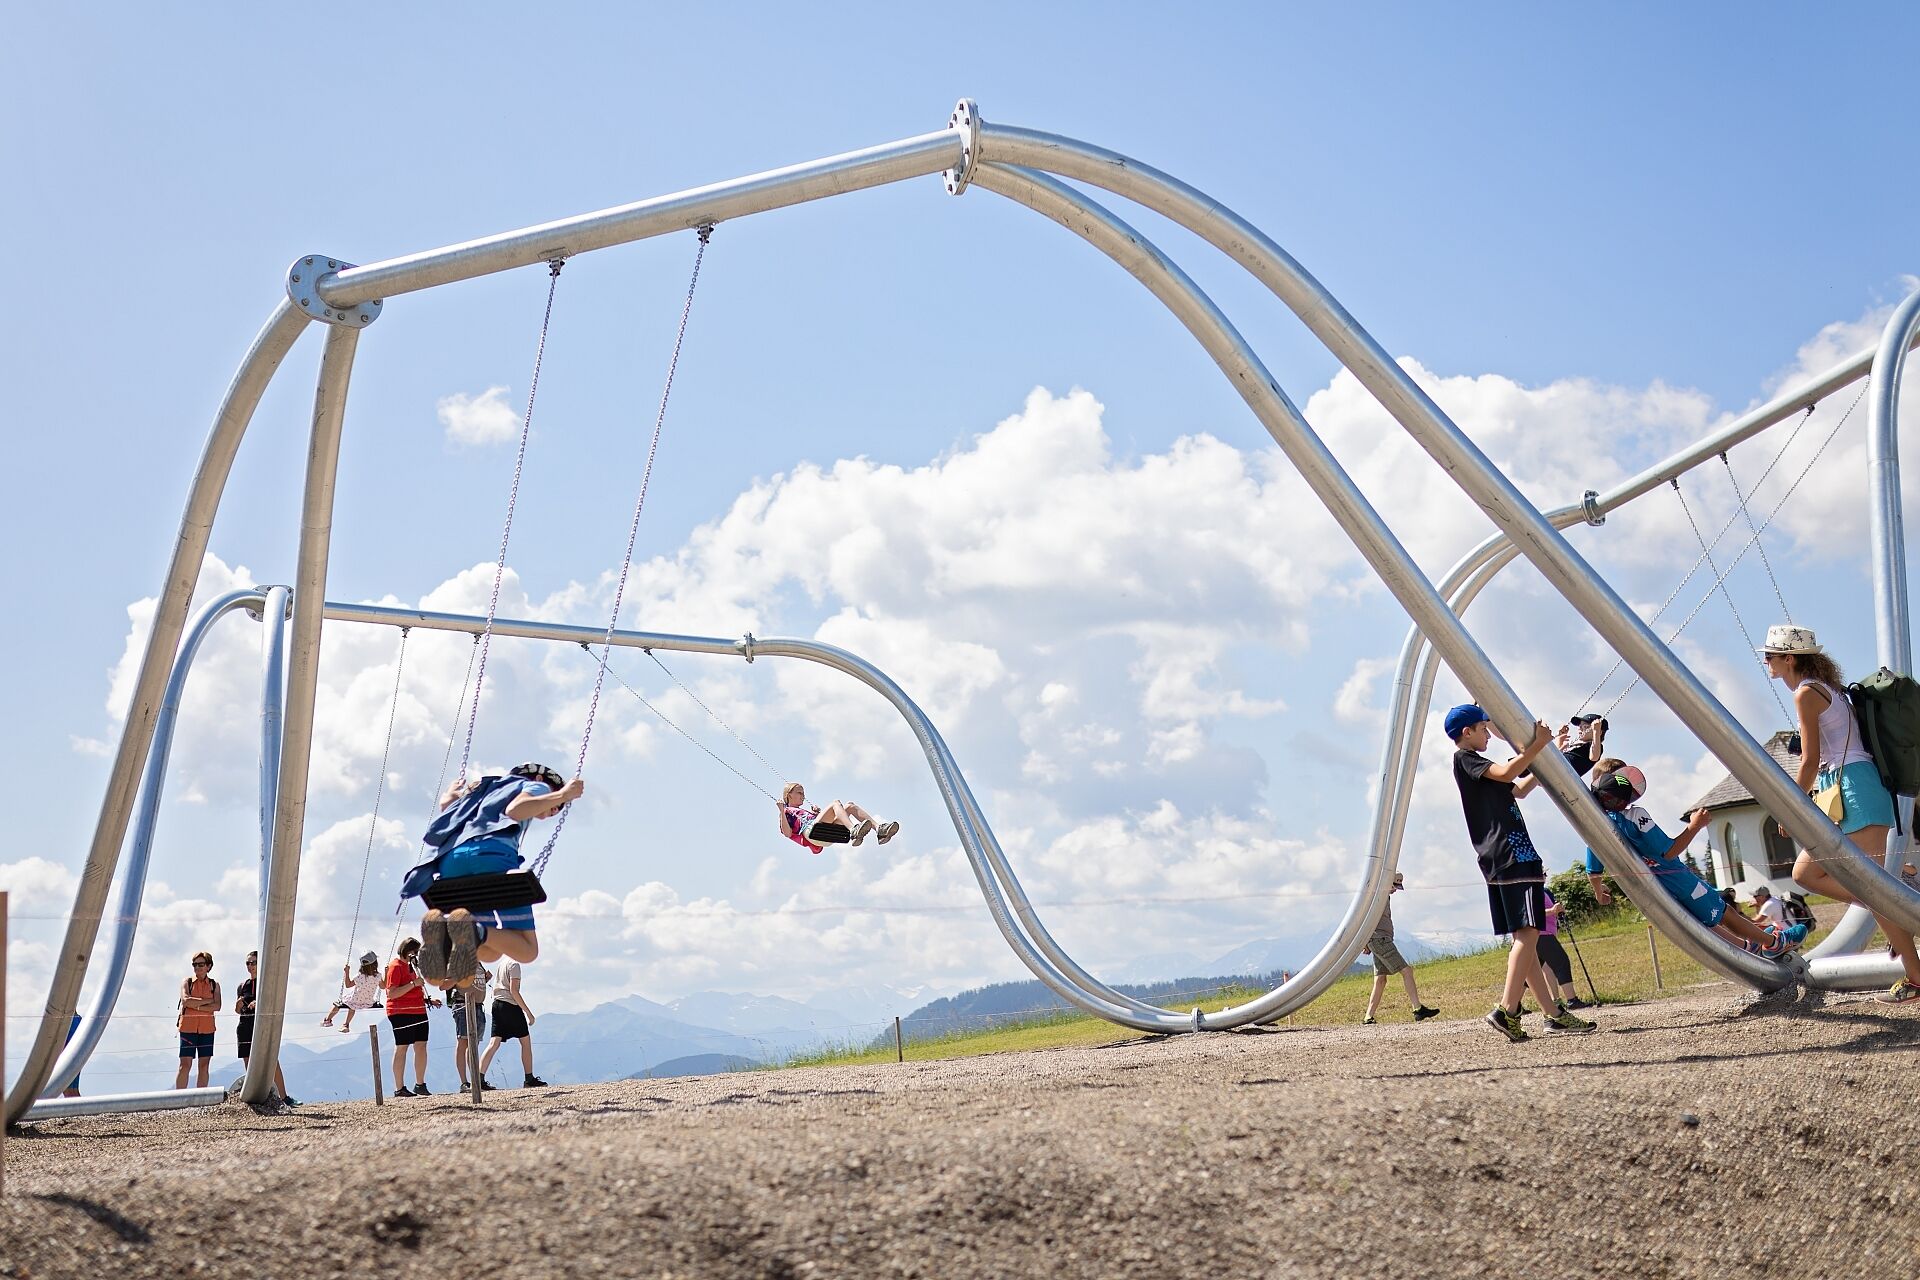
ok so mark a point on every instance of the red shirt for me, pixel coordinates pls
(399, 974)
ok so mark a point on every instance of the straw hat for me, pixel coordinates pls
(1784, 637)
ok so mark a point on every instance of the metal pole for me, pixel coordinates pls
(274, 613)
(1653, 949)
(1891, 621)
(169, 617)
(373, 1043)
(3, 1035)
(1463, 463)
(133, 882)
(899, 1044)
(928, 153)
(303, 674)
(1382, 550)
(103, 1104)
(473, 1013)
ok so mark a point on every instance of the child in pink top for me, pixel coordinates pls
(797, 819)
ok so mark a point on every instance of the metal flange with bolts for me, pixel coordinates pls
(305, 273)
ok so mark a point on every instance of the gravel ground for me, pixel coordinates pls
(1700, 1136)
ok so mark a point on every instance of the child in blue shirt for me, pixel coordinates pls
(1616, 793)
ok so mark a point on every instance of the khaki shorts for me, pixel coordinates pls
(1387, 959)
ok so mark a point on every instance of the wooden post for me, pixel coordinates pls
(1653, 948)
(899, 1045)
(469, 1009)
(3, 1035)
(373, 1042)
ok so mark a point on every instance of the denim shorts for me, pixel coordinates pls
(1867, 801)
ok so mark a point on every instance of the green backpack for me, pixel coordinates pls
(1887, 706)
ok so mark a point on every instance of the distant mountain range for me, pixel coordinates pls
(714, 1031)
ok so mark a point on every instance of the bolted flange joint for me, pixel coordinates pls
(745, 645)
(1590, 503)
(964, 121)
(306, 273)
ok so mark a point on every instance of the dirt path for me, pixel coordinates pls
(1696, 1137)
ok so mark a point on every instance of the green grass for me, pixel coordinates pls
(1464, 986)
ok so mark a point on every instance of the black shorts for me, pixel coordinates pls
(1555, 958)
(1517, 905)
(408, 1028)
(509, 1021)
(243, 1037)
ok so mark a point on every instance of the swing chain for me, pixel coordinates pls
(633, 534)
(668, 721)
(379, 792)
(513, 498)
(1766, 562)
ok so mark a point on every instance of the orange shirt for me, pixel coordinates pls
(198, 1021)
(399, 974)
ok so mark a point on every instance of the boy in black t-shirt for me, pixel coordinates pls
(1515, 876)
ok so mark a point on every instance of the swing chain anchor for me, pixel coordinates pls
(1590, 504)
(964, 121)
(303, 280)
(554, 264)
(745, 645)
(705, 232)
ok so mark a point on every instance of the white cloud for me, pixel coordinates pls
(481, 419)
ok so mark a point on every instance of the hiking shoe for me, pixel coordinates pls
(1423, 1013)
(421, 1091)
(289, 1099)
(433, 947)
(403, 1092)
(888, 830)
(463, 942)
(1563, 1020)
(860, 832)
(1900, 992)
(1366, 1022)
(1578, 1003)
(533, 1082)
(487, 1086)
(1507, 1024)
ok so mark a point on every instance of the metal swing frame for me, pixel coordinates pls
(1027, 167)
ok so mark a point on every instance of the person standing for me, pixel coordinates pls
(512, 1020)
(1555, 960)
(1388, 961)
(469, 1007)
(1832, 754)
(1516, 878)
(407, 1017)
(199, 999)
(243, 1032)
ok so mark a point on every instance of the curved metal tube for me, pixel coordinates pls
(1891, 620)
(274, 613)
(1463, 463)
(146, 817)
(269, 348)
(1383, 552)
(960, 809)
(303, 680)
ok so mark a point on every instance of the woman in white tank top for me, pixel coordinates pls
(1831, 750)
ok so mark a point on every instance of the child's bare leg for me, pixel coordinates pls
(1413, 988)
(1373, 1001)
(526, 1054)
(348, 1024)
(1523, 971)
(515, 944)
(1813, 877)
(1741, 929)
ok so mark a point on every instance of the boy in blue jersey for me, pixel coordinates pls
(1616, 793)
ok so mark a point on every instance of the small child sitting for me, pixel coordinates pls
(1660, 852)
(362, 991)
(797, 819)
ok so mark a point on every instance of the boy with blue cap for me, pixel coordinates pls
(1516, 878)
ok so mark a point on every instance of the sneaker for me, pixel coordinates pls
(1578, 1003)
(1423, 1013)
(860, 832)
(1507, 1024)
(1795, 934)
(403, 1092)
(421, 1091)
(1366, 1022)
(463, 941)
(289, 1099)
(1562, 1020)
(1900, 992)
(433, 947)
(487, 1086)
(888, 830)
(533, 1082)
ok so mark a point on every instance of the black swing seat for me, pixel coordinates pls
(492, 891)
(828, 833)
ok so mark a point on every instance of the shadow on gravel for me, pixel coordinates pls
(129, 1231)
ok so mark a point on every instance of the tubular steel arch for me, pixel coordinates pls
(1015, 163)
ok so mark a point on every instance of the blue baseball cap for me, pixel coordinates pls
(1464, 717)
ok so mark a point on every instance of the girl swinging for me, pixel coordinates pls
(813, 828)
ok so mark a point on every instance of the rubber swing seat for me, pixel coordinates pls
(828, 833)
(491, 891)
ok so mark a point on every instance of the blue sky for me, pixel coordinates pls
(1599, 230)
